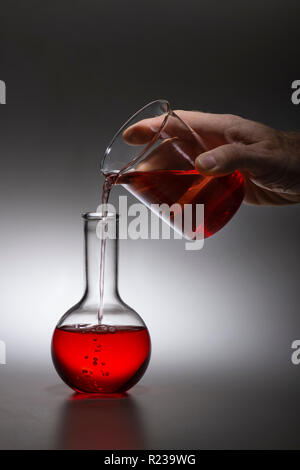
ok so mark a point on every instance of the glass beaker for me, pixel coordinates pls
(105, 353)
(158, 168)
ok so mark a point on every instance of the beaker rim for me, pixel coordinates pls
(99, 216)
(162, 102)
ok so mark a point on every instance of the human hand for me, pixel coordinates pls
(269, 159)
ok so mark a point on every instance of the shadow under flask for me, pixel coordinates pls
(101, 345)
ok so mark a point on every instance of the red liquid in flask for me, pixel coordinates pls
(221, 196)
(101, 359)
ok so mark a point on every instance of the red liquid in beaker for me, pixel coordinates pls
(101, 359)
(221, 196)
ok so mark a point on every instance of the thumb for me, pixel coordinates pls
(222, 160)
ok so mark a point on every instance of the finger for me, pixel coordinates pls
(167, 126)
(143, 131)
(209, 123)
(228, 158)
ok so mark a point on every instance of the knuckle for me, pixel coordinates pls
(272, 141)
(232, 119)
(232, 133)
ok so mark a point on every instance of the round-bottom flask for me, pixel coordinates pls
(101, 345)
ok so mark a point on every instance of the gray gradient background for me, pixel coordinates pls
(223, 319)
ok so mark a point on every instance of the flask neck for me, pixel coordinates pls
(101, 255)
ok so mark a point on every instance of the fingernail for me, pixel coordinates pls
(207, 162)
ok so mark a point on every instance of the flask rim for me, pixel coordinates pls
(100, 216)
